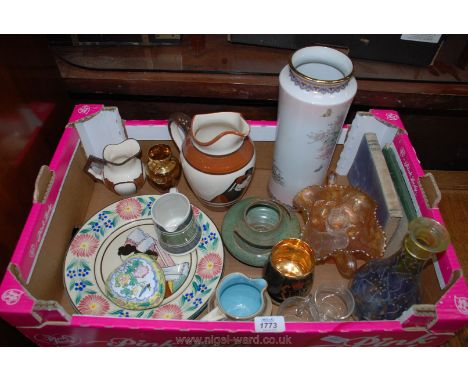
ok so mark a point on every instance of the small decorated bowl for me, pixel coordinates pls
(253, 226)
(137, 284)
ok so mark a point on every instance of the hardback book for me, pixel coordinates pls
(369, 173)
(399, 183)
(363, 122)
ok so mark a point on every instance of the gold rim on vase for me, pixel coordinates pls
(318, 81)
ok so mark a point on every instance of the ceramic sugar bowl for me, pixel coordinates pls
(216, 154)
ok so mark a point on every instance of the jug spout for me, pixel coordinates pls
(219, 133)
(260, 284)
(240, 278)
(121, 152)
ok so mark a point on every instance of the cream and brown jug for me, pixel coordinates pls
(216, 154)
(121, 169)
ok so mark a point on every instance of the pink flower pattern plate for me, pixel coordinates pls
(93, 255)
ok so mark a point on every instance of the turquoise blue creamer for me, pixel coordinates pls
(240, 297)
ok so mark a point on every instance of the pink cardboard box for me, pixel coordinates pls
(34, 300)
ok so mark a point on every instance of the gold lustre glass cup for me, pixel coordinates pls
(290, 269)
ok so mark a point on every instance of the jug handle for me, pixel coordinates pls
(96, 176)
(179, 126)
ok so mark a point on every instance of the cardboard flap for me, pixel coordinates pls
(51, 311)
(44, 181)
(84, 111)
(13, 268)
(419, 316)
(456, 274)
(43, 310)
(430, 190)
(364, 122)
(101, 129)
(16, 302)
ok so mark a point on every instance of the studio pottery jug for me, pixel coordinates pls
(216, 154)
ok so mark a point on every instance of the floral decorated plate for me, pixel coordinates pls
(123, 228)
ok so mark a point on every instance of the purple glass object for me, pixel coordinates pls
(384, 288)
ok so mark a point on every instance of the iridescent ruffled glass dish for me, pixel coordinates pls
(341, 224)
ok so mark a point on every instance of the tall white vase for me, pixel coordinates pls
(316, 91)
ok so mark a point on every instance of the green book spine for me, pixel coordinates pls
(399, 182)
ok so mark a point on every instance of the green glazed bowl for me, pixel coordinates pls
(254, 225)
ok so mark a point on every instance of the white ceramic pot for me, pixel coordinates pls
(316, 91)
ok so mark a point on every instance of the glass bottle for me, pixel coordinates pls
(163, 168)
(384, 288)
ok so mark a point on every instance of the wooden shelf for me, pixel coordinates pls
(212, 68)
